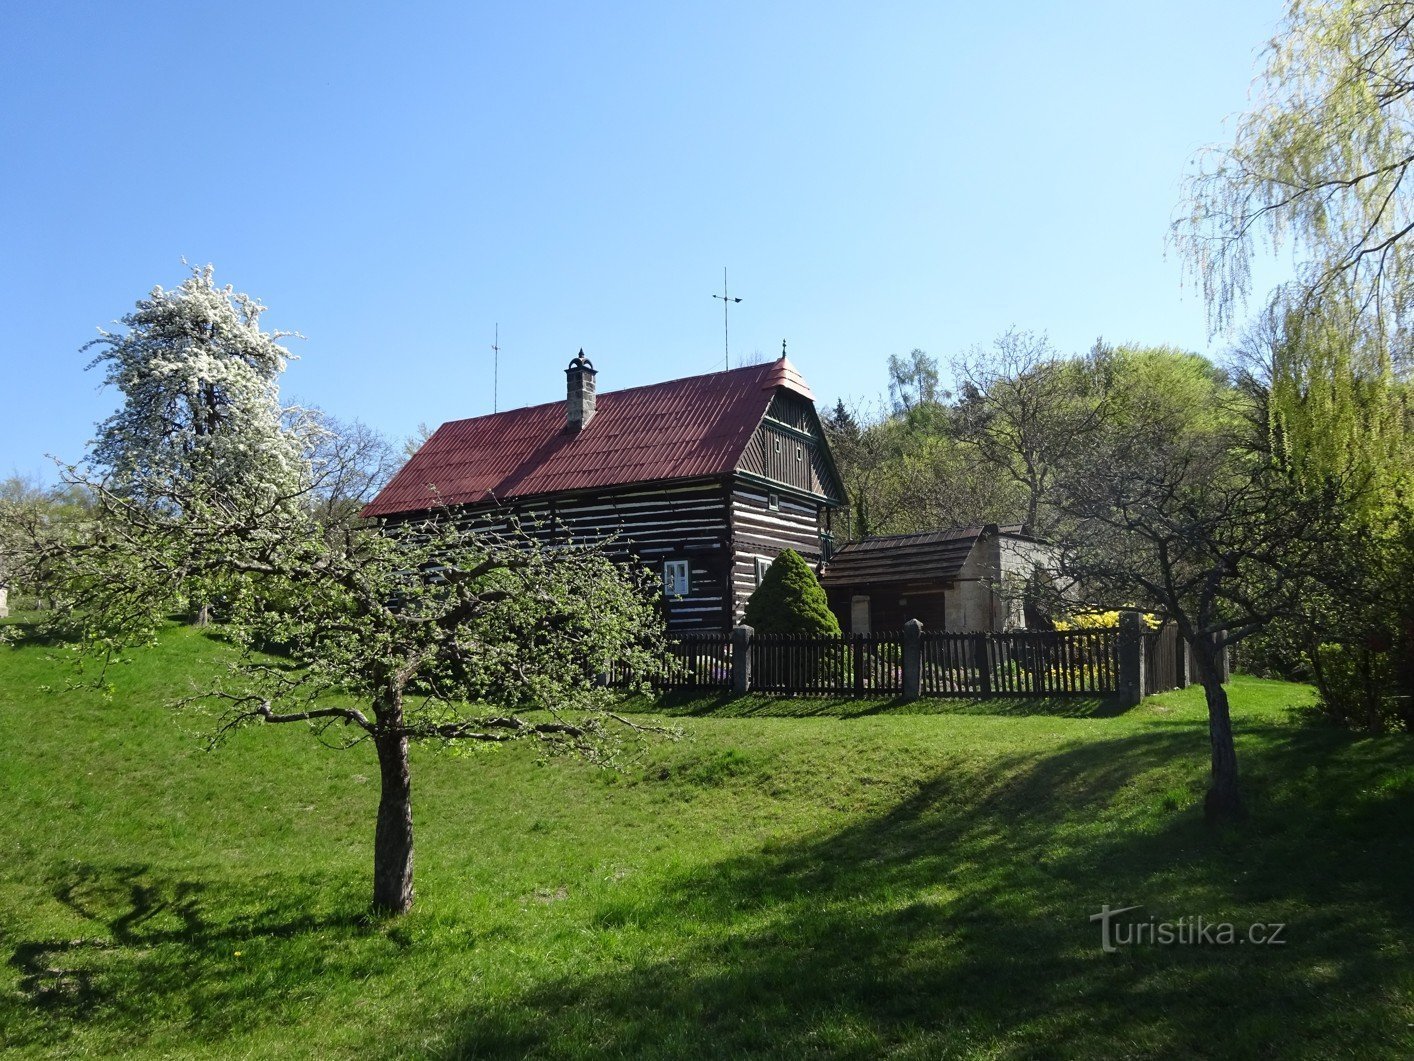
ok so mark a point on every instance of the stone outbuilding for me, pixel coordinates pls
(974, 578)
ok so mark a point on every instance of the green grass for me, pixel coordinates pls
(792, 878)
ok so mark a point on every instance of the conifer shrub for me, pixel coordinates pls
(790, 600)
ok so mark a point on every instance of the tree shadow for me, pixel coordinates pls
(695, 703)
(959, 922)
(32, 632)
(149, 947)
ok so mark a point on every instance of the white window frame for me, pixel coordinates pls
(773, 501)
(761, 565)
(677, 578)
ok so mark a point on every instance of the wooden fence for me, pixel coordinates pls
(693, 661)
(1049, 663)
(1123, 662)
(851, 665)
(1165, 660)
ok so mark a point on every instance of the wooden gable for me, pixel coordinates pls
(789, 449)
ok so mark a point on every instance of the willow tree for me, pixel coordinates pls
(1319, 164)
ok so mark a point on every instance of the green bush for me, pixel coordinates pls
(790, 601)
(1357, 687)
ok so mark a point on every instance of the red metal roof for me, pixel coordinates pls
(685, 428)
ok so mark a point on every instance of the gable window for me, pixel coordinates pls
(773, 501)
(675, 578)
(762, 564)
(799, 453)
(778, 445)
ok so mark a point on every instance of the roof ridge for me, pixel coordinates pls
(622, 390)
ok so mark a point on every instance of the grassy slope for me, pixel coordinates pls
(849, 881)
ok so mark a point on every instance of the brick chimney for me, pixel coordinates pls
(579, 393)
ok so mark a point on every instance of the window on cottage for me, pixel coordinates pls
(773, 501)
(800, 453)
(778, 445)
(675, 578)
(761, 565)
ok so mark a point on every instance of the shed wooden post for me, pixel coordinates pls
(1131, 659)
(912, 660)
(741, 659)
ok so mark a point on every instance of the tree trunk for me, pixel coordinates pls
(1223, 802)
(392, 842)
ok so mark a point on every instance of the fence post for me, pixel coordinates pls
(982, 659)
(912, 660)
(1131, 659)
(1181, 652)
(741, 659)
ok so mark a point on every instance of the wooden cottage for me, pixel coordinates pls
(705, 479)
(974, 578)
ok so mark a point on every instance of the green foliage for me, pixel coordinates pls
(1337, 424)
(1319, 163)
(1163, 388)
(1357, 688)
(790, 600)
(914, 385)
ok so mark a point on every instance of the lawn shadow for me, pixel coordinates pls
(149, 949)
(694, 703)
(959, 922)
(32, 631)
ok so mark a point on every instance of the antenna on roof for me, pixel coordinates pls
(496, 370)
(727, 300)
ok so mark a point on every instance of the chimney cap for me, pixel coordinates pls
(581, 363)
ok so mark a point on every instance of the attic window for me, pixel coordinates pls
(799, 453)
(778, 444)
(773, 501)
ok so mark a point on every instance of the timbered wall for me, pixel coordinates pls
(687, 521)
(759, 532)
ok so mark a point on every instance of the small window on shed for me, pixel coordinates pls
(773, 501)
(675, 578)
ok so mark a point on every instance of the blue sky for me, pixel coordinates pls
(393, 182)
